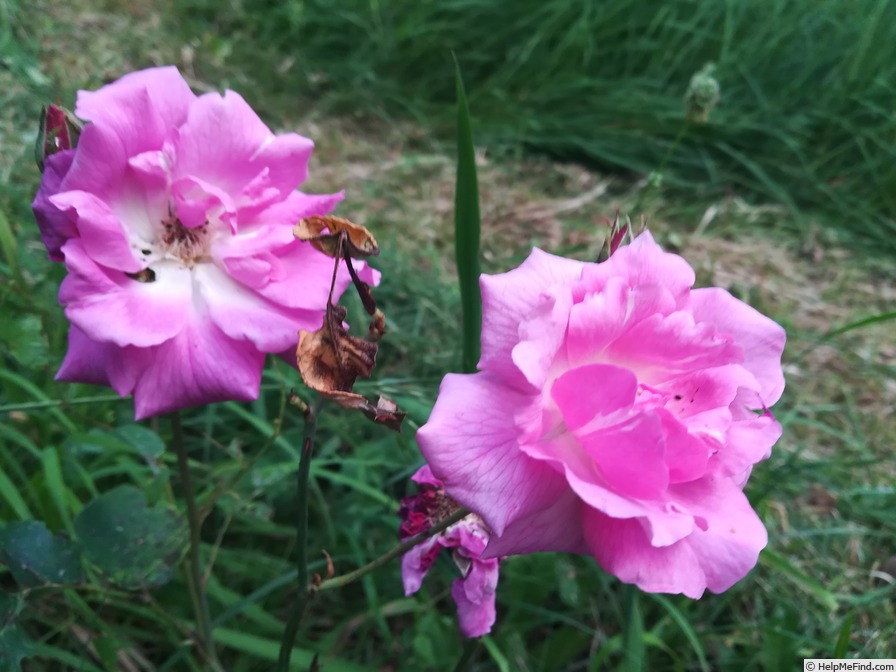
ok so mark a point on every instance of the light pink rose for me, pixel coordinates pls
(174, 218)
(617, 412)
(474, 591)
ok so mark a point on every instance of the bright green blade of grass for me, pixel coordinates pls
(466, 231)
(842, 646)
(632, 633)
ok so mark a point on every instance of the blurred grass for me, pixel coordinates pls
(807, 116)
(826, 494)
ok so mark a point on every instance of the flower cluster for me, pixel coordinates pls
(174, 217)
(474, 591)
(617, 412)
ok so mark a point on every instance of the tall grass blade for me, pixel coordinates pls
(632, 633)
(466, 231)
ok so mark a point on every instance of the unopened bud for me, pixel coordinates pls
(702, 95)
(59, 130)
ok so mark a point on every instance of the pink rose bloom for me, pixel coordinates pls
(617, 412)
(174, 218)
(474, 591)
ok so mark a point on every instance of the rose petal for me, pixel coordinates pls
(111, 307)
(508, 297)
(200, 365)
(471, 443)
(761, 339)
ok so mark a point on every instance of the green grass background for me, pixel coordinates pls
(806, 121)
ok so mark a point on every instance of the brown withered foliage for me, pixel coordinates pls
(330, 359)
(341, 235)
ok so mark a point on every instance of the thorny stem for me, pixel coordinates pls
(195, 582)
(399, 550)
(301, 601)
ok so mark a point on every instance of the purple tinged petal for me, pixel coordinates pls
(56, 226)
(475, 598)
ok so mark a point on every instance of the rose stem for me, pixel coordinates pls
(195, 582)
(400, 549)
(303, 474)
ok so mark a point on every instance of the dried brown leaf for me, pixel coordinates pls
(385, 412)
(329, 359)
(359, 242)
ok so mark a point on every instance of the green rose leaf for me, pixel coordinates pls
(36, 557)
(132, 544)
(14, 643)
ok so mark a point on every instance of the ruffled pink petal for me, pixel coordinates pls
(111, 307)
(424, 476)
(471, 442)
(101, 233)
(606, 316)
(666, 522)
(510, 297)
(541, 335)
(722, 548)
(224, 143)
(555, 529)
(416, 563)
(95, 363)
(244, 315)
(294, 275)
(164, 89)
(197, 201)
(630, 456)
(749, 440)
(594, 395)
(661, 347)
(643, 263)
(55, 226)
(475, 598)
(200, 365)
(686, 455)
(622, 547)
(761, 339)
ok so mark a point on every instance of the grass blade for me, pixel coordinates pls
(466, 231)
(780, 564)
(632, 633)
(842, 646)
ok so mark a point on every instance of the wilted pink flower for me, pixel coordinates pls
(174, 218)
(474, 592)
(617, 412)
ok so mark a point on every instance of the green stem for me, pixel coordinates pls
(301, 601)
(397, 551)
(195, 582)
(466, 657)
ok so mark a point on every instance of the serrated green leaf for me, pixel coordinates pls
(36, 557)
(131, 544)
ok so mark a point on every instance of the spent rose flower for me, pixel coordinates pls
(474, 591)
(617, 412)
(174, 217)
